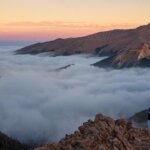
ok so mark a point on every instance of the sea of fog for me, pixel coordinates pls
(39, 103)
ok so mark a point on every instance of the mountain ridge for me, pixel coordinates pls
(102, 43)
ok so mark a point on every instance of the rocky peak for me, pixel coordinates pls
(104, 133)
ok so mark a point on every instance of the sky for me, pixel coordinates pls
(40, 20)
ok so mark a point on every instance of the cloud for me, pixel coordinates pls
(49, 30)
(72, 24)
(39, 105)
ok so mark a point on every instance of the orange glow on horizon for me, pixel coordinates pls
(22, 19)
(41, 31)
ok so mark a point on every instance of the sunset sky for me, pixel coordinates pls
(39, 20)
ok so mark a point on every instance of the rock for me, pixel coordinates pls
(104, 133)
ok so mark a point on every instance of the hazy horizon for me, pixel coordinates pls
(26, 41)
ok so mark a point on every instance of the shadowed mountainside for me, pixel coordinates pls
(7, 143)
(104, 133)
(138, 57)
(140, 119)
(102, 43)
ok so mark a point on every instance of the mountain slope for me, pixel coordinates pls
(7, 143)
(140, 118)
(102, 43)
(138, 57)
(104, 133)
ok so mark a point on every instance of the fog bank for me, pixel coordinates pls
(38, 103)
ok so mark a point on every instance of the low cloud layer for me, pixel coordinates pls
(38, 104)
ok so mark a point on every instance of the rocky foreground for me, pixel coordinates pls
(104, 133)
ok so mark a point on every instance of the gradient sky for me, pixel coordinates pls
(48, 19)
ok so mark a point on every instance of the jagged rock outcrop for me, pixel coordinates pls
(7, 143)
(102, 43)
(104, 133)
(138, 57)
